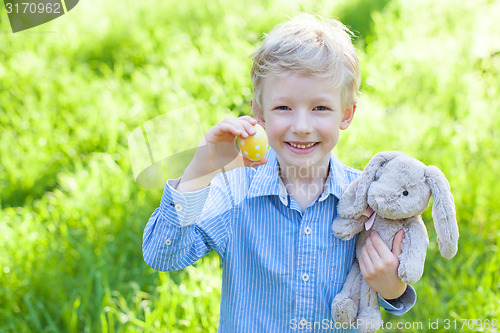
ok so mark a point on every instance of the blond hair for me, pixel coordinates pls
(309, 45)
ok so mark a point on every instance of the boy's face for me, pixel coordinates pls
(300, 111)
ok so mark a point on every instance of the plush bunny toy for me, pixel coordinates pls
(391, 194)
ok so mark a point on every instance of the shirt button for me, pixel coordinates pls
(303, 322)
(307, 230)
(168, 242)
(305, 277)
(178, 207)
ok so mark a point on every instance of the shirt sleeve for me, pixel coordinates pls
(400, 305)
(187, 225)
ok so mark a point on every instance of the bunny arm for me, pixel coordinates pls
(347, 228)
(413, 250)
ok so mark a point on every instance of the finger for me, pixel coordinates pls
(388, 261)
(227, 127)
(250, 163)
(396, 243)
(361, 263)
(248, 127)
(372, 253)
(238, 125)
(379, 245)
(249, 119)
(261, 162)
(365, 263)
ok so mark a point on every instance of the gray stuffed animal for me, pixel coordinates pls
(391, 194)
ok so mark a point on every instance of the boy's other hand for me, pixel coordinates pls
(379, 265)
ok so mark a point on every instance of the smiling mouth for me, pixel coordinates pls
(303, 145)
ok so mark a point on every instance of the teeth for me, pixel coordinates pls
(302, 146)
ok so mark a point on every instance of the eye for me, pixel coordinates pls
(322, 108)
(405, 193)
(282, 107)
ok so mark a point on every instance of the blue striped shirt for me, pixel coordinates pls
(281, 268)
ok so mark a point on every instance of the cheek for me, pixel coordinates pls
(330, 135)
(275, 129)
(328, 127)
(421, 199)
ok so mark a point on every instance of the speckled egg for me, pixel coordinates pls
(254, 147)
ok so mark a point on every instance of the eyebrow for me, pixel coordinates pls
(316, 102)
(322, 97)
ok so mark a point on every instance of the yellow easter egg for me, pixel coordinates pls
(254, 147)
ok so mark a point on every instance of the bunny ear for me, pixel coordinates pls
(354, 200)
(443, 212)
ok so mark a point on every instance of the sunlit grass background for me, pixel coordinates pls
(71, 91)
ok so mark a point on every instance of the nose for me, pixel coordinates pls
(379, 200)
(302, 123)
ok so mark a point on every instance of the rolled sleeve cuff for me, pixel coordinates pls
(400, 305)
(182, 209)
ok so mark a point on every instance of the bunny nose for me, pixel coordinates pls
(379, 199)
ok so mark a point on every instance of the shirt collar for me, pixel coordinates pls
(337, 181)
(266, 180)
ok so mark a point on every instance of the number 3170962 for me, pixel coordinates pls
(33, 8)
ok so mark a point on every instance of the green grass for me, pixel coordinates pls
(71, 91)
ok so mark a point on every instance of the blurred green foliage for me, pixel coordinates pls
(71, 216)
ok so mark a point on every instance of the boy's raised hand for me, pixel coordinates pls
(220, 141)
(217, 152)
(379, 265)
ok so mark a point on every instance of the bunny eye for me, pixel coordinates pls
(405, 193)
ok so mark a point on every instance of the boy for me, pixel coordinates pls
(270, 221)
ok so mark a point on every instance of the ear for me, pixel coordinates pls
(354, 201)
(347, 118)
(257, 113)
(443, 212)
